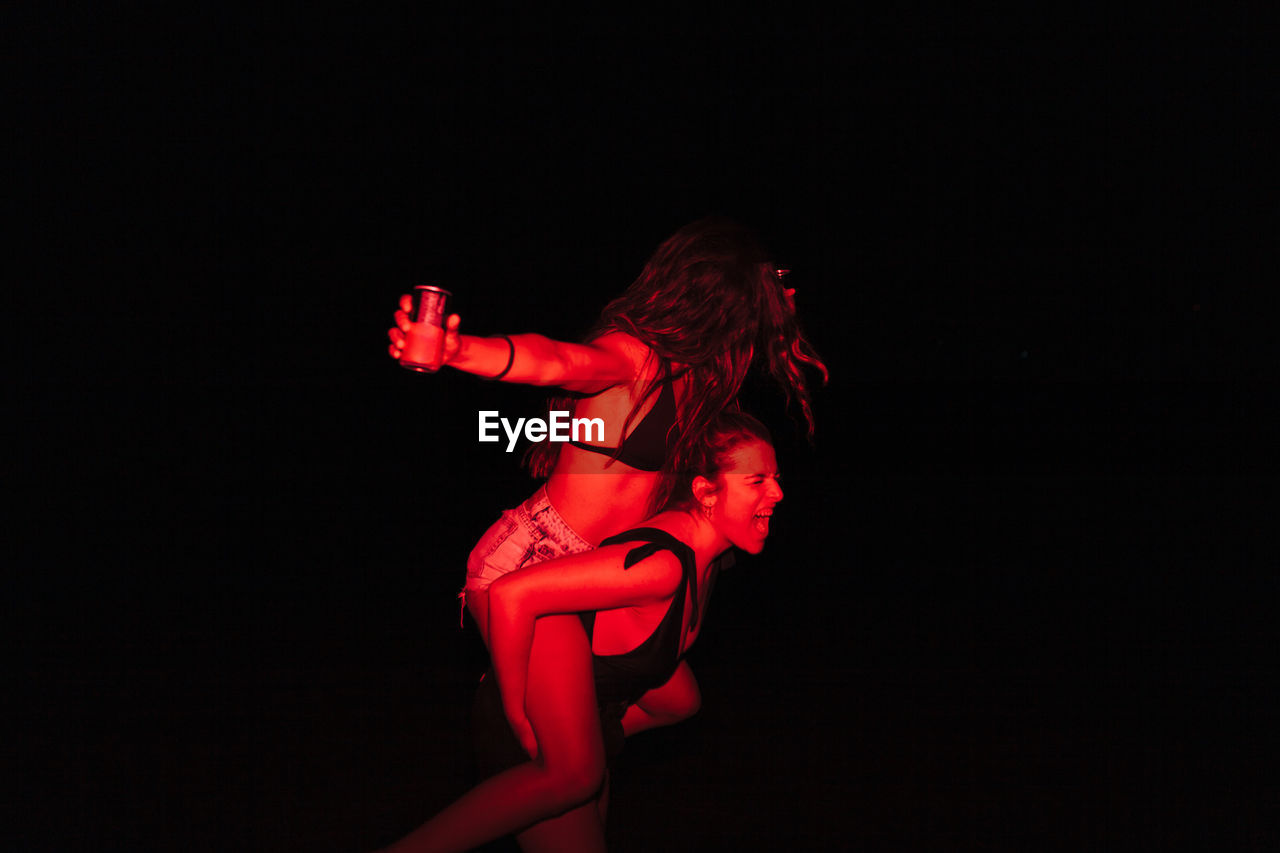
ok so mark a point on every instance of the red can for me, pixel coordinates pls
(424, 346)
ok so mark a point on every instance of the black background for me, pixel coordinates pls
(1020, 590)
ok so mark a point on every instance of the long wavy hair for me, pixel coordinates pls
(709, 298)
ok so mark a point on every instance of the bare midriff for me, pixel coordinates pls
(595, 495)
(600, 504)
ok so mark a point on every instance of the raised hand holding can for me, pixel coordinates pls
(424, 342)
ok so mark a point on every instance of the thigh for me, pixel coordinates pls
(560, 699)
(561, 703)
(505, 547)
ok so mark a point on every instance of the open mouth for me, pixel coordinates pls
(761, 521)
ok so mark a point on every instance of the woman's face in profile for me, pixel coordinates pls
(748, 491)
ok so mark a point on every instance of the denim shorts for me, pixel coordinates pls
(531, 533)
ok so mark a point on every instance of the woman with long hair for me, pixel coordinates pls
(640, 599)
(664, 359)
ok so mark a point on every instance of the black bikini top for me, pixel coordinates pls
(626, 677)
(652, 440)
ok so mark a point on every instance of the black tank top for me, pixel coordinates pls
(626, 677)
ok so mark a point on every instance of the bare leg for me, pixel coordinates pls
(574, 725)
(578, 830)
(561, 704)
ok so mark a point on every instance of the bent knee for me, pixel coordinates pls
(584, 784)
(577, 780)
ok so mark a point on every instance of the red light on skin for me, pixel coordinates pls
(747, 492)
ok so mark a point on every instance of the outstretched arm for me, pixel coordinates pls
(674, 701)
(532, 359)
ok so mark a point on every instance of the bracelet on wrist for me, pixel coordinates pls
(511, 359)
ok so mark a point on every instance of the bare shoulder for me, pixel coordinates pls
(604, 362)
(658, 575)
(657, 565)
(625, 345)
(662, 568)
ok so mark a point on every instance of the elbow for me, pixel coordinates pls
(555, 368)
(692, 705)
(692, 698)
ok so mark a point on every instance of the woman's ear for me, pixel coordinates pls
(704, 491)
